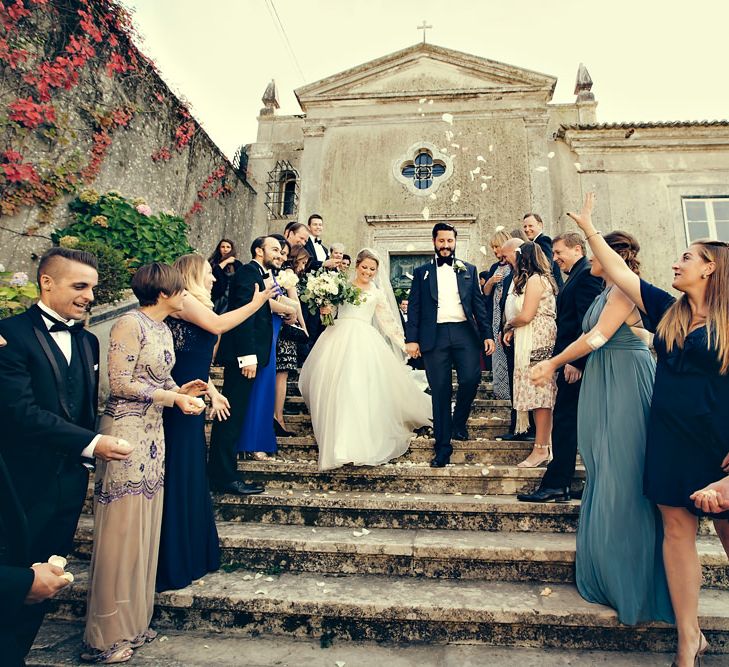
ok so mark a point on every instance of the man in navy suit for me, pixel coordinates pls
(448, 325)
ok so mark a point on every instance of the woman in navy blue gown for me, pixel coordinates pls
(687, 441)
(189, 546)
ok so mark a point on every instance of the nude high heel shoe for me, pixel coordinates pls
(535, 464)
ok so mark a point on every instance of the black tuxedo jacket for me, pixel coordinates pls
(254, 335)
(545, 243)
(16, 577)
(314, 264)
(423, 305)
(38, 436)
(573, 300)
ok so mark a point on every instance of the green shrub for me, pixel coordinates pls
(17, 292)
(128, 227)
(114, 273)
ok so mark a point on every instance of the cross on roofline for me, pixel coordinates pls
(424, 27)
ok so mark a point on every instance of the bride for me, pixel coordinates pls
(363, 399)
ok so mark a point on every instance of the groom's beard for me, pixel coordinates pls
(445, 252)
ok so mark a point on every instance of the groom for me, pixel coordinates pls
(447, 324)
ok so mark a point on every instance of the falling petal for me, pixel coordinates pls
(477, 170)
(433, 196)
(258, 576)
(483, 250)
(478, 497)
(259, 592)
(367, 532)
(484, 471)
(454, 199)
(491, 148)
(448, 118)
(546, 591)
(340, 663)
(484, 186)
(470, 173)
(164, 638)
(423, 100)
(425, 213)
(541, 169)
(422, 115)
(443, 150)
(430, 101)
(457, 193)
(500, 228)
(268, 579)
(486, 178)
(578, 166)
(455, 146)
(480, 158)
(550, 155)
(449, 135)
(409, 276)
(321, 584)
(420, 109)
(247, 577)
(358, 533)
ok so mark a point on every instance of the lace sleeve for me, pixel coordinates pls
(125, 343)
(386, 322)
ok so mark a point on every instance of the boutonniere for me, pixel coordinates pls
(459, 266)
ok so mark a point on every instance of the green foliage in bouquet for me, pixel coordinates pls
(329, 288)
(127, 226)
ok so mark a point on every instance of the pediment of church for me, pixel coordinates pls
(425, 70)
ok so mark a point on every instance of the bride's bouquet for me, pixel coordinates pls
(329, 288)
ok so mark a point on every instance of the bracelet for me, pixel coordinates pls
(595, 233)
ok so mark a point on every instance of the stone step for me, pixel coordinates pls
(485, 389)
(356, 509)
(436, 554)
(403, 609)
(398, 477)
(421, 450)
(478, 426)
(59, 644)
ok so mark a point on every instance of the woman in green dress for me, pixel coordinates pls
(618, 560)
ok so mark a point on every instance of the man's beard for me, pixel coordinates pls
(449, 252)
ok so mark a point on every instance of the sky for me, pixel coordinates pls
(650, 60)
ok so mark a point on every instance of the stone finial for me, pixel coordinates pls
(270, 99)
(583, 85)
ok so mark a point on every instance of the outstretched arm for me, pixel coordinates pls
(616, 311)
(612, 263)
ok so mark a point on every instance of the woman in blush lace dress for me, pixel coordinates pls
(363, 399)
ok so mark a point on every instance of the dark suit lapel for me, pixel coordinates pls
(463, 282)
(45, 341)
(433, 280)
(87, 357)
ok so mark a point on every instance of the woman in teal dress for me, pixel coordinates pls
(618, 559)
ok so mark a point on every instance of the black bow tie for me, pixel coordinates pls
(444, 260)
(317, 241)
(62, 326)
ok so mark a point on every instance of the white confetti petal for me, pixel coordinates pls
(480, 158)
(258, 576)
(455, 146)
(477, 497)
(500, 228)
(247, 577)
(457, 493)
(550, 155)
(477, 170)
(540, 168)
(491, 148)
(448, 118)
(340, 663)
(358, 533)
(484, 471)
(433, 196)
(420, 109)
(546, 591)
(423, 100)
(321, 584)
(313, 530)
(449, 135)
(205, 646)
(164, 638)
(486, 178)
(430, 101)
(483, 250)
(367, 532)
(578, 166)
(269, 579)
(457, 193)
(425, 213)
(484, 187)
(422, 115)
(260, 592)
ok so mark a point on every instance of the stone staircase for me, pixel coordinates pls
(404, 553)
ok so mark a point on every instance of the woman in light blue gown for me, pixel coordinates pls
(619, 558)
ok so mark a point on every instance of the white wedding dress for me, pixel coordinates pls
(363, 398)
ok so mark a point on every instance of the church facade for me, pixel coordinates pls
(385, 149)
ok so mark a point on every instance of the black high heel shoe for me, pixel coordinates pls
(280, 431)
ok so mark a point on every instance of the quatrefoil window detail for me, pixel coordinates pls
(423, 168)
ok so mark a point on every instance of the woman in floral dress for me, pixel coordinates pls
(531, 324)
(128, 494)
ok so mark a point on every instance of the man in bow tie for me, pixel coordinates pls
(448, 325)
(49, 369)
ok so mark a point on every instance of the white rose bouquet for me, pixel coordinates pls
(329, 288)
(287, 279)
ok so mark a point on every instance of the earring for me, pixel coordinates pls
(703, 276)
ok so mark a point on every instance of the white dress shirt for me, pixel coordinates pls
(63, 340)
(321, 254)
(449, 300)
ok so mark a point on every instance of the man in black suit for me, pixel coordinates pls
(447, 324)
(533, 227)
(242, 351)
(49, 372)
(20, 584)
(573, 300)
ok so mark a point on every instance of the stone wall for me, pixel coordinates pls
(185, 156)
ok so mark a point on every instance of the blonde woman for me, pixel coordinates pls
(189, 541)
(687, 444)
(495, 281)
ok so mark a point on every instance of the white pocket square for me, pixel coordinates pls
(425, 277)
(96, 367)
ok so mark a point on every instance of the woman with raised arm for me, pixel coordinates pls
(189, 546)
(687, 441)
(612, 416)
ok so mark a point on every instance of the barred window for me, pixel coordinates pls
(282, 192)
